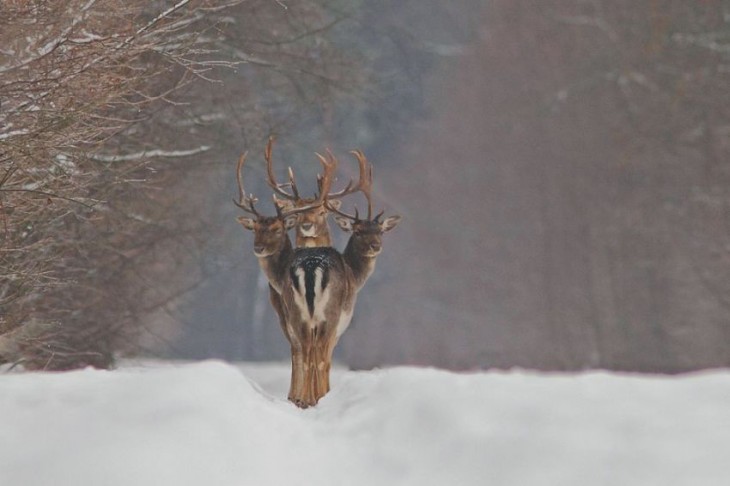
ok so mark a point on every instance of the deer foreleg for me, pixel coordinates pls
(329, 348)
(296, 387)
(312, 368)
(311, 365)
(324, 346)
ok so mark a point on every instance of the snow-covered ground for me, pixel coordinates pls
(213, 424)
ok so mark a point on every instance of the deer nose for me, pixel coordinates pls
(375, 246)
(307, 226)
(258, 249)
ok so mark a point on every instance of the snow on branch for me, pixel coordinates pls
(51, 45)
(585, 20)
(707, 41)
(164, 14)
(149, 154)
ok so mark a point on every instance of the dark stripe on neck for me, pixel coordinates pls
(309, 273)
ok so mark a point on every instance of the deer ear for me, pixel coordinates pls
(334, 204)
(247, 223)
(283, 204)
(344, 223)
(290, 221)
(390, 223)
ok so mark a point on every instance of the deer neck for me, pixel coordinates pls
(362, 266)
(304, 241)
(275, 265)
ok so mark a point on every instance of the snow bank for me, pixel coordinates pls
(208, 424)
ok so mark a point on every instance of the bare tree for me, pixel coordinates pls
(101, 207)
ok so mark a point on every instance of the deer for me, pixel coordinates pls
(365, 242)
(312, 228)
(315, 287)
(275, 254)
(331, 311)
(272, 245)
(325, 285)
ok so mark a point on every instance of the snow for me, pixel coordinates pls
(211, 423)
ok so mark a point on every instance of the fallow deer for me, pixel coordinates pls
(365, 243)
(334, 280)
(272, 245)
(281, 266)
(315, 288)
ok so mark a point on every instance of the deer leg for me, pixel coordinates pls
(329, 348)
(297, 358)
(305, 396)
(296, 387)
(324, 346)
(312, 361)
(312, 367)
(318, 367)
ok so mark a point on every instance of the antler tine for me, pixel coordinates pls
(293, 184)
(365, 184)
(245, 203)
(324, 182)
(335, 210)
(294, 210)
(271, 179)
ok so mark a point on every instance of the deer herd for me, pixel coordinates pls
(313, 286)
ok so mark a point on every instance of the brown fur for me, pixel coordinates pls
(312, 229)
(314, 337)
(311, 349)
(315, 344)
(271, 237)
(313, 330)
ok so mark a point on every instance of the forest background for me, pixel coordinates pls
(561, 167)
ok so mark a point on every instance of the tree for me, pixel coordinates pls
(105, 132)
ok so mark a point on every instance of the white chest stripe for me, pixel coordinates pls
(321, 298)
(299, 298)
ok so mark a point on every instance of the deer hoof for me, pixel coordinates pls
(301, 403)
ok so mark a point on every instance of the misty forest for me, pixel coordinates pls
(560, 167)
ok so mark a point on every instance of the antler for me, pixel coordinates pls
(244, 202)
(364, 185)
(271, 179)
(324, 183)
(247, 202)
(365, 172)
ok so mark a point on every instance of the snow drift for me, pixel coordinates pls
(214, 424)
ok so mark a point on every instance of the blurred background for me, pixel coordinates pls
(561, 168)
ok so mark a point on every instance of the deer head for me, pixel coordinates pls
(367, 235)
(270, 232)
(366, 239)
(311, 228)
